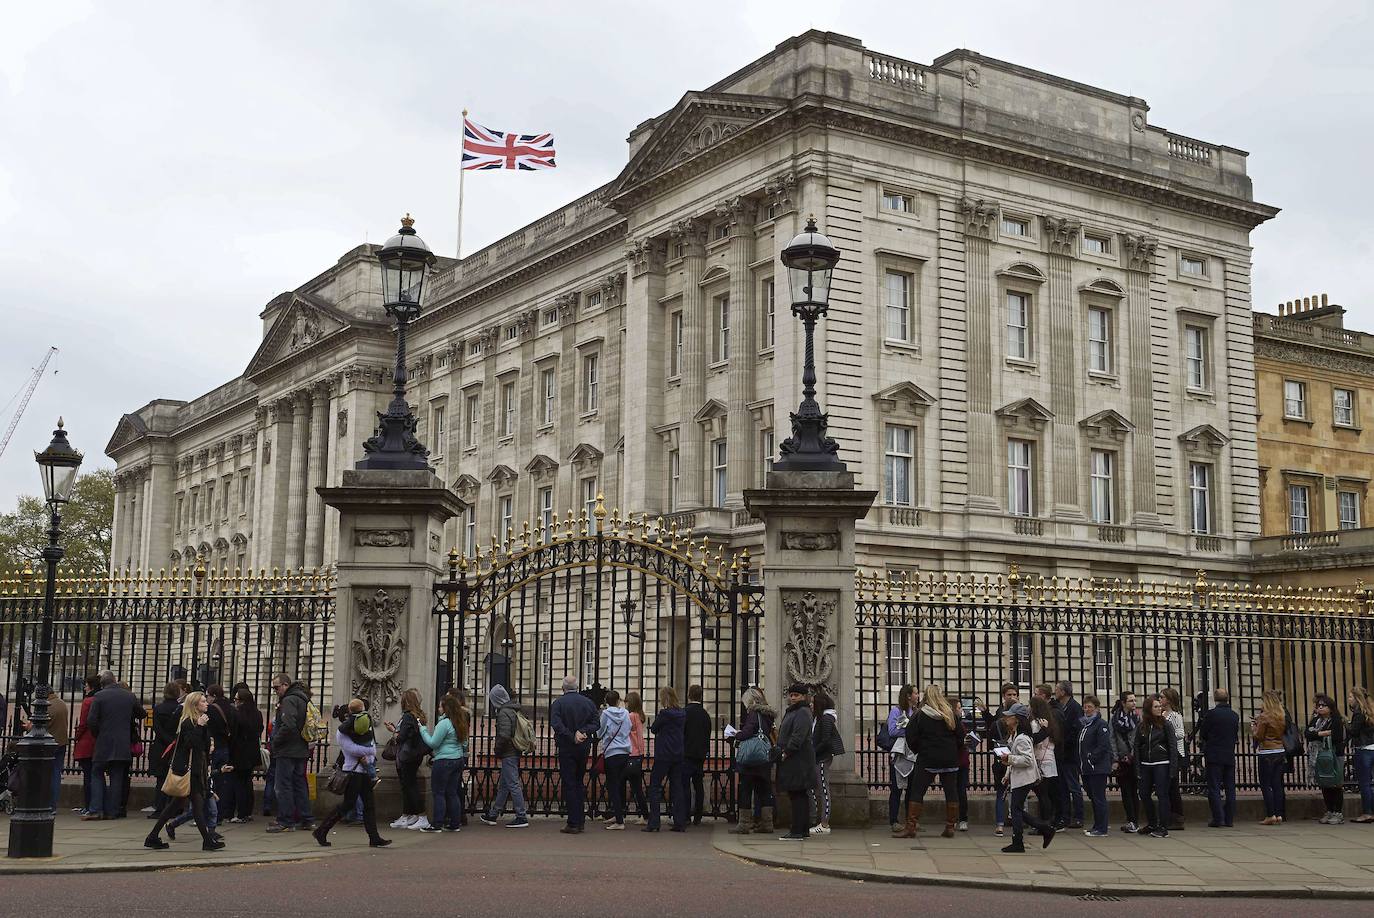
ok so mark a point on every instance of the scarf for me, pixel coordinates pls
(1123, 723)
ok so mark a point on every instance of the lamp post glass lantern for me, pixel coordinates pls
(31, 826)
(405, 261)
(810, 260)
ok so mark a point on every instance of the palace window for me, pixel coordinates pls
(1103, 473)
(590, 383)
(675, 343)
(1196, 371)
(897, 306)
(1022, 650)
(545, 661)
(1192, 265)
(722, 337)
(470, 530)
(674, 478)
(720, 231)
(1015, 226)
(1020, 477)
(593, 300)
(1200, 497)
(436, 425)
(589, 497)
(898, 653)
(1348, 509)
(1295, 399)
(769, 444)
(1299, 509)
(1018, 326)
(1343, 407)
(1104, 666)
(546, 508)
(507, 409)
(505, 508)
(901, 203)
(898, 462)
(770, 310)
(550, 317)
(719, 454)
(1094, 244)
(472, 420)
(1099, 340)
(512, 332)
(548, 385)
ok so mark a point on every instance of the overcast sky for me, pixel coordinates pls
(166, 169)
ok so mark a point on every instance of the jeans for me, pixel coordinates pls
(243, 794)
(59, 759)
(269, 788)
(293, 796)
(408, 776)
(1364, 777)
(446, 780)
(210, 811)
(922, 779)
(1096, 786)
(678, 791)
(1129, 784)
(1019, 814)
(107, 787)
(1003, 792)
(1271, 769)
(370, 769)
(900, 787)
(696, 774)
(615, 785)
(1176, 797)
(1071, 791)
(509, 786)
(86, 782)
(963, 793)
(754, 791)
(220, 782)
(1154, 780)
(572, 772)
(1221, 792)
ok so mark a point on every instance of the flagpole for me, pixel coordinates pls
(458, 247)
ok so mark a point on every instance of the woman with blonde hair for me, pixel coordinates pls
(668, 728)
(410, 752)
(755, 778)
(1267, 728)
(933, 737)
(190, 758)
(1361, 736)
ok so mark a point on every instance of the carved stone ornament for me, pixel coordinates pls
(378, 650)
(810, 541)
(644, 255)
(1062, 235)
(343, 423)
(979, 217)
(1140, 251)
(809, 649)
(435, 543)
(307, 329)
(381, 538)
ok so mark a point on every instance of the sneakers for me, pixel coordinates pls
(1160, 833)
(1337, 819)
(488, 820)
(420, 823)
(1000, 833)
(431, 829)
(820, 830)
(1091, 833)
(634, 820)
(1325, 819)
(453, 828)
(1130, 828)
(404, 822)
(963, 825)
(148, 809)
(276, 827)
(519, 822)
(614, 827)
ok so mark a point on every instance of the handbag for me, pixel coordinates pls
(175, 785)
(390, 749)
(756, 750)
(338, 781)
(265, 757)
(599, 763)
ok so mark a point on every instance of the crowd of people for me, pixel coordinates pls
(207, 746)
(1064, 750)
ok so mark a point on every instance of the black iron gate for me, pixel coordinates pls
(623, 605)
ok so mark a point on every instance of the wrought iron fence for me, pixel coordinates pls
(972, 634)
(627, 605)
(206, 627)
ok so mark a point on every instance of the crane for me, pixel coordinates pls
(24, 402)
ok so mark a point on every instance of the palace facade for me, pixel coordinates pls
(1039, 346)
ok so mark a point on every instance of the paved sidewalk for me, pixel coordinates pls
(84, 847)
(1294, 860)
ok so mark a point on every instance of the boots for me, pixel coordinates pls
(321, 833)
(913, 820)
(765, 822)
(746, 823)
(951, 817)
(1016, 846)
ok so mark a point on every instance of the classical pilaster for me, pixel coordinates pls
(118, 541)
(1140, 261)
(317, 462)
(262, 534)
(979, 217)
(642, 395)
(145, 517)
(293, 555)
(741, 437)
(689, 234)
(1062, 236)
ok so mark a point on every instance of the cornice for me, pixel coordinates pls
(1313, 355)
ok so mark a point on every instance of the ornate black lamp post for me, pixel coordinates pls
(32, 823)
(810, 259)
(405, 261)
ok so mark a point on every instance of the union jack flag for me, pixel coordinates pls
(484, 148)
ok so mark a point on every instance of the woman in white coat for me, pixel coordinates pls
(1023, 771)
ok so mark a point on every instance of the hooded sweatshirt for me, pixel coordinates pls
(615, 732)
(499, 700)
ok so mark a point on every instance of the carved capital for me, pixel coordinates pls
(644, 255)
(566, 304)
(979, 217)
(780, 191)
(690, 236)
(1140, 251)
(612, 288)
(738, 212)
(1062, 234)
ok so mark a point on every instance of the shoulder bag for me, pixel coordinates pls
(1325, 766)
(175, 785)
(756, 750)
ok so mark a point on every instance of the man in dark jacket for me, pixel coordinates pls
(1219, 730)
(997, 738)
(797, 769)
(507, 716)
(696, 746)
(1066, 760)
(114, 714)
(573, 719)
(1094, 742)
(290, 751)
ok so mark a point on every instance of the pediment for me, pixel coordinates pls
(1203, 438)
(584, 452)
(502, 475)
(541, 464)
(465, 485)
(714, 408)
(1103, 287)
(904, 396)
(305, 321)
(1108, 422)
(1027, 409)
(699, 122)
(130, 429)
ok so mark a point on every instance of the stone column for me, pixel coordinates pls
(808, 635)
(319, 444)
(642, 394)
(979, 218)
(695, 322)
(1140, 262)
(295, 488)
(1062, 235)
(136, 518)
(740, 433)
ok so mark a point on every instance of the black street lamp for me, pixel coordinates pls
(809, 259)
(31, 825)
(405, 261)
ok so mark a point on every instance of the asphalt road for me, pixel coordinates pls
(492, 871)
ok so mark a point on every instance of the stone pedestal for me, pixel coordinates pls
(809, 604)
(390, 552)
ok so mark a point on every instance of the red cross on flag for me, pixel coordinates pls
(484, 148)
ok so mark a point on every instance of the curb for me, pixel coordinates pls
(54, 864)
(1063, 887)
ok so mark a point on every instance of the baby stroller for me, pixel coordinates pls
(9, 778)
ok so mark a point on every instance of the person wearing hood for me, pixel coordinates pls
(826, 740)
(755, 781)
(797, 770)
(668, 729)
(507, 712)
(933, 736)
(1095, 760)
(289, 754)
(615, 729)
(572, 717)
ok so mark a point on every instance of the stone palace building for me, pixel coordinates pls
(1039, 346)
